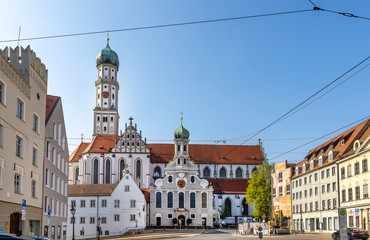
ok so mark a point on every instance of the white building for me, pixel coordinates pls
(115, 208)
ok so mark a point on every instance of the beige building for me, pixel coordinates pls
(354, 183)
(23, 85)
(281, 190)
(55, 181)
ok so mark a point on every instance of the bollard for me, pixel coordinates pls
(260, 234)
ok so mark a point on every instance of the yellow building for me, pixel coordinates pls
(354, 183)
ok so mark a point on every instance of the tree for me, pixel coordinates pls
(259, 190)
(224, 212)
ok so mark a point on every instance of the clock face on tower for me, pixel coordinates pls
(181, 183)
(105, 94)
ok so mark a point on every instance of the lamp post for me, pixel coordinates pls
(98, 228)
(73, 211)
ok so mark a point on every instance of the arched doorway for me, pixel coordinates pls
(15, 220)
(228, 206)
(244, 208)
(181, 219)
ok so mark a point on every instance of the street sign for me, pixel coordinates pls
(357, 210)
(342, 224)
(23, 204)
(23, 214)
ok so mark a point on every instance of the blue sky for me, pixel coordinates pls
(229, 78)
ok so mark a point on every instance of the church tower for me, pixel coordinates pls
(106, 115)
(181, 141)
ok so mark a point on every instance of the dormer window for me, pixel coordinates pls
(296, 171)
(311, 165)
(320, 160)
(331, 147)
(330, 156)
(304, 168)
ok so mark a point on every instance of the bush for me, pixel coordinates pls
(174, 220)
(189, 221)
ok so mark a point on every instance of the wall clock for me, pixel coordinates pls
(105, 94)
(181, 183)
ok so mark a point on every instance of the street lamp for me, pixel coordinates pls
(98, 228)
(73, 211)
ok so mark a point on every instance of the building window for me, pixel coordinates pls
(342, 173)
(222, 172)
(357, 168)
(316, 206)
(17, 183)
(316, 190)
(334, 203)
(169, 216)
(365, 189)
(327, 173)
(35, 126)
(310, 192)
(103, 220)
(311, 206)
(92, 203)
(1, 135)
(157, 172)
(315, 177)
(181, 200)
(132, 203)
(322, 174)
(192, 200)
(204, 200)
(333, 171)
(288, 189)
(2, 93)
(73, 203)
(206, 172)
(350, 195)
(82, 220)
(328, 187)
(158, 200)
(92, 220)
(47, 177)
(239, 173)
(96, 172)
(82, 203)
(121, 167)
(116, 203)
(280, 191)
(357, 193)
(104, 203)
(364, 164)
(170, 179)
(20, 109)
(305, 180)
(107, 172)
(116, 217)
(170, 200)
(18, 146)
(343, 195)
(34, 156)
(334, 187)
(192, 179)
(132, 217)
(350, 221)
(33, 189)
(349, 171)
(329, 204)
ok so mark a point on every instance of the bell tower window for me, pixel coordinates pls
(185, 148)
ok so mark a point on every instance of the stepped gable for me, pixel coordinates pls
(360, 131)
(78, 190)
(205, 154)
(75, 156)
(228, 186)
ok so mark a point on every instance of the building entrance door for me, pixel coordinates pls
(159, 220)
(181, 220)
(312, 224)
(15, 220)
(204, 221)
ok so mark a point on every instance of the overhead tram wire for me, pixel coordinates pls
(157, 26)
(316, 139)
(300, 104)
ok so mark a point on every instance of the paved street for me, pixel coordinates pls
(220, 234)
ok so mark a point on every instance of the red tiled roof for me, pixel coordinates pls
(360, 131)
(146, 192)
(229, 186)
(75, 156)
(199, 153)
(101, 144)
(50, 103)
(80, 190)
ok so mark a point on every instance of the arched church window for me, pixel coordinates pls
(158, 200)
(181, 200)
(157, 172)
(138, 170)
(222, 172)
(111, 119)
(170, 200)
(121, 167)
(107, 171)
(254, 169)
(228, 206)
(76, 174)
(170, 179)
(192, 179)
(244, 208)
(192, 200)
(98, 118)
(204, 200)
(96, 172)
(206, 172)
(239, 173)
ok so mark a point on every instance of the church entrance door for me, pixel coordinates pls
(159, 220)
(181, 220)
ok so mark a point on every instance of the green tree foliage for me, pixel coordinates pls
(224, 212)
(259, 190)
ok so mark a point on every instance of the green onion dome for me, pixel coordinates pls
(182, 133)
(107, 55)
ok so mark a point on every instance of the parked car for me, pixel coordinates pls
(8, 236)
(352, 233)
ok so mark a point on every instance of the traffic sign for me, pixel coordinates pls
(23, 204)
(23, 214)
(357, 210)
